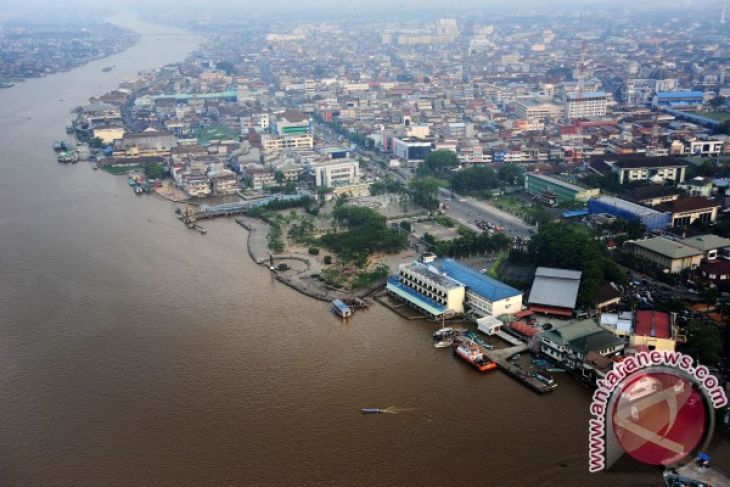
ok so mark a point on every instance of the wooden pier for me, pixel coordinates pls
(501, 358)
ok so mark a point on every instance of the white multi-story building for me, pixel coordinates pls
(534, 108)
(273, 143)
(333, 173)
(445, 286)
(428, 290)
(589, 105)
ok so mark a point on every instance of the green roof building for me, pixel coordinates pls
(565, 192)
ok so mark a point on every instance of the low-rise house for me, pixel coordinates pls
(571, 343)
(607, 297)
(698, 186)
(195, 183)
(709, 245)
(718, 271)
(686, 211)
(223, 182)
(653, 330)
(672, 257)
(652, 195)
(619, 325)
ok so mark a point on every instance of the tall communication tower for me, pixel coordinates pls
(724, 11)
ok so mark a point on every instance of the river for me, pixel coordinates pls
(136, 352)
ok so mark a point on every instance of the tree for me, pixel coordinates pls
(155, 170)
(365, 232)
(474, 179)
(704, 341)
(572, 246)
(438, 163)
(97, 143)
(717, 102)
(425, 191)
(226, 67)
(724, 127)
(510, 174)
(279, 177)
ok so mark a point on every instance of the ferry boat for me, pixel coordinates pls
(474, 354)
(341, 309)
(68, 156)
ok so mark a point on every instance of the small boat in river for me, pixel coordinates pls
(341, 309)
(372, 410)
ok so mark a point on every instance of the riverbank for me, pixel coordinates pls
(303, 276)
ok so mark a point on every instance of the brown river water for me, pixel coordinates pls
(135, 352)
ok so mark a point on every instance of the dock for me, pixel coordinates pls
(693, 474)
(501, 358)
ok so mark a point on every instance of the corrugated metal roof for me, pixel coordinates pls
(555, 287)
(485, 286)
(667, 248)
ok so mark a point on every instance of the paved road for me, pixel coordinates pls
(468, 211)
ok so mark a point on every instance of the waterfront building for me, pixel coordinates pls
(668, 255)
(223, 182)
(484, 295)
(569, 344)
(445, 286)
(537, 184)
(554, 291)
(108, 134)
(427, 290)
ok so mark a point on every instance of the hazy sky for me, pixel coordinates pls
(257, 7)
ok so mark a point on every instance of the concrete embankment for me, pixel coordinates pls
(303, 278)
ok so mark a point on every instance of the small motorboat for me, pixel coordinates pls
(444, 342)
(372, 410)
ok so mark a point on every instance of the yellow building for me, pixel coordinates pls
(671, 256)
(653, 330)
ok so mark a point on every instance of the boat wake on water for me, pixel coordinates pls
(396, 410)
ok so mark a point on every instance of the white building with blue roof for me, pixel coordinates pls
(484, 295)
(446, 287)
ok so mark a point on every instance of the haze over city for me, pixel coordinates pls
(371, 243)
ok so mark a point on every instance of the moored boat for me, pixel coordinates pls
(444, 342)
(341, 309)
(472, 353)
